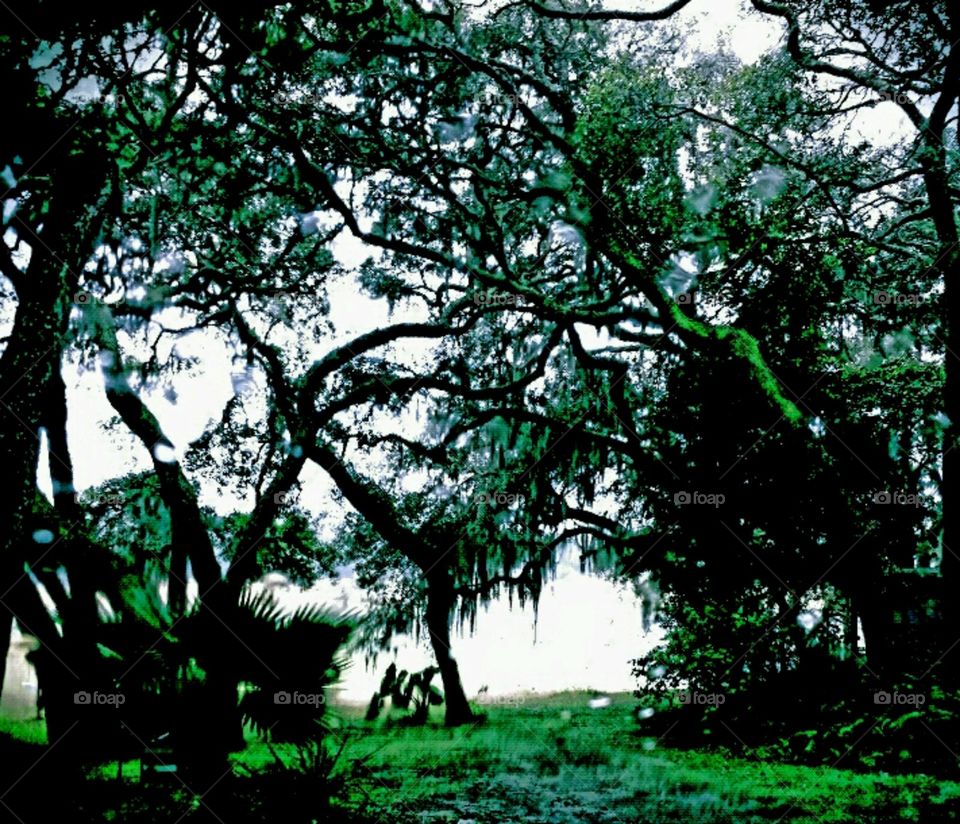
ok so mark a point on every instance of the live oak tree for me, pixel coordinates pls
(902, 55)
(70, 259)
(595, 253)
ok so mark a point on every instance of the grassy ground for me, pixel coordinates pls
(554, 759)
(30, 732)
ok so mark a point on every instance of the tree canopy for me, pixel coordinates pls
(683, 313)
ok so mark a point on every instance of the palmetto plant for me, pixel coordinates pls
(291, 661)
(281, 663)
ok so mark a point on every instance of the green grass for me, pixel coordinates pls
(31, 732)
(553, 759)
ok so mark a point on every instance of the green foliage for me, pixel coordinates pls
(555, 753)
(295, 659)
(406, 691)
(165, 667)
(128, 515)
(538, 193)
(290, 546)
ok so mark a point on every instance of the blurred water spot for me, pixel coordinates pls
(243, 382)
(702, 199)
(456, 128)
(808, 619)
(165, 453)
(769, 182)
(309, 223)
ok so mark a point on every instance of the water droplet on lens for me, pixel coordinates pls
(165, 453)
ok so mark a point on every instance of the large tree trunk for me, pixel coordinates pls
(851, 637)
(78, 610)
(876, 620)
(177, 579)
(31, 361)
(57, 673)
(6, 629)
(21, 381)
(218, 599)
(440, 602)
(933, 161)
(377, 507)
(950, 487)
